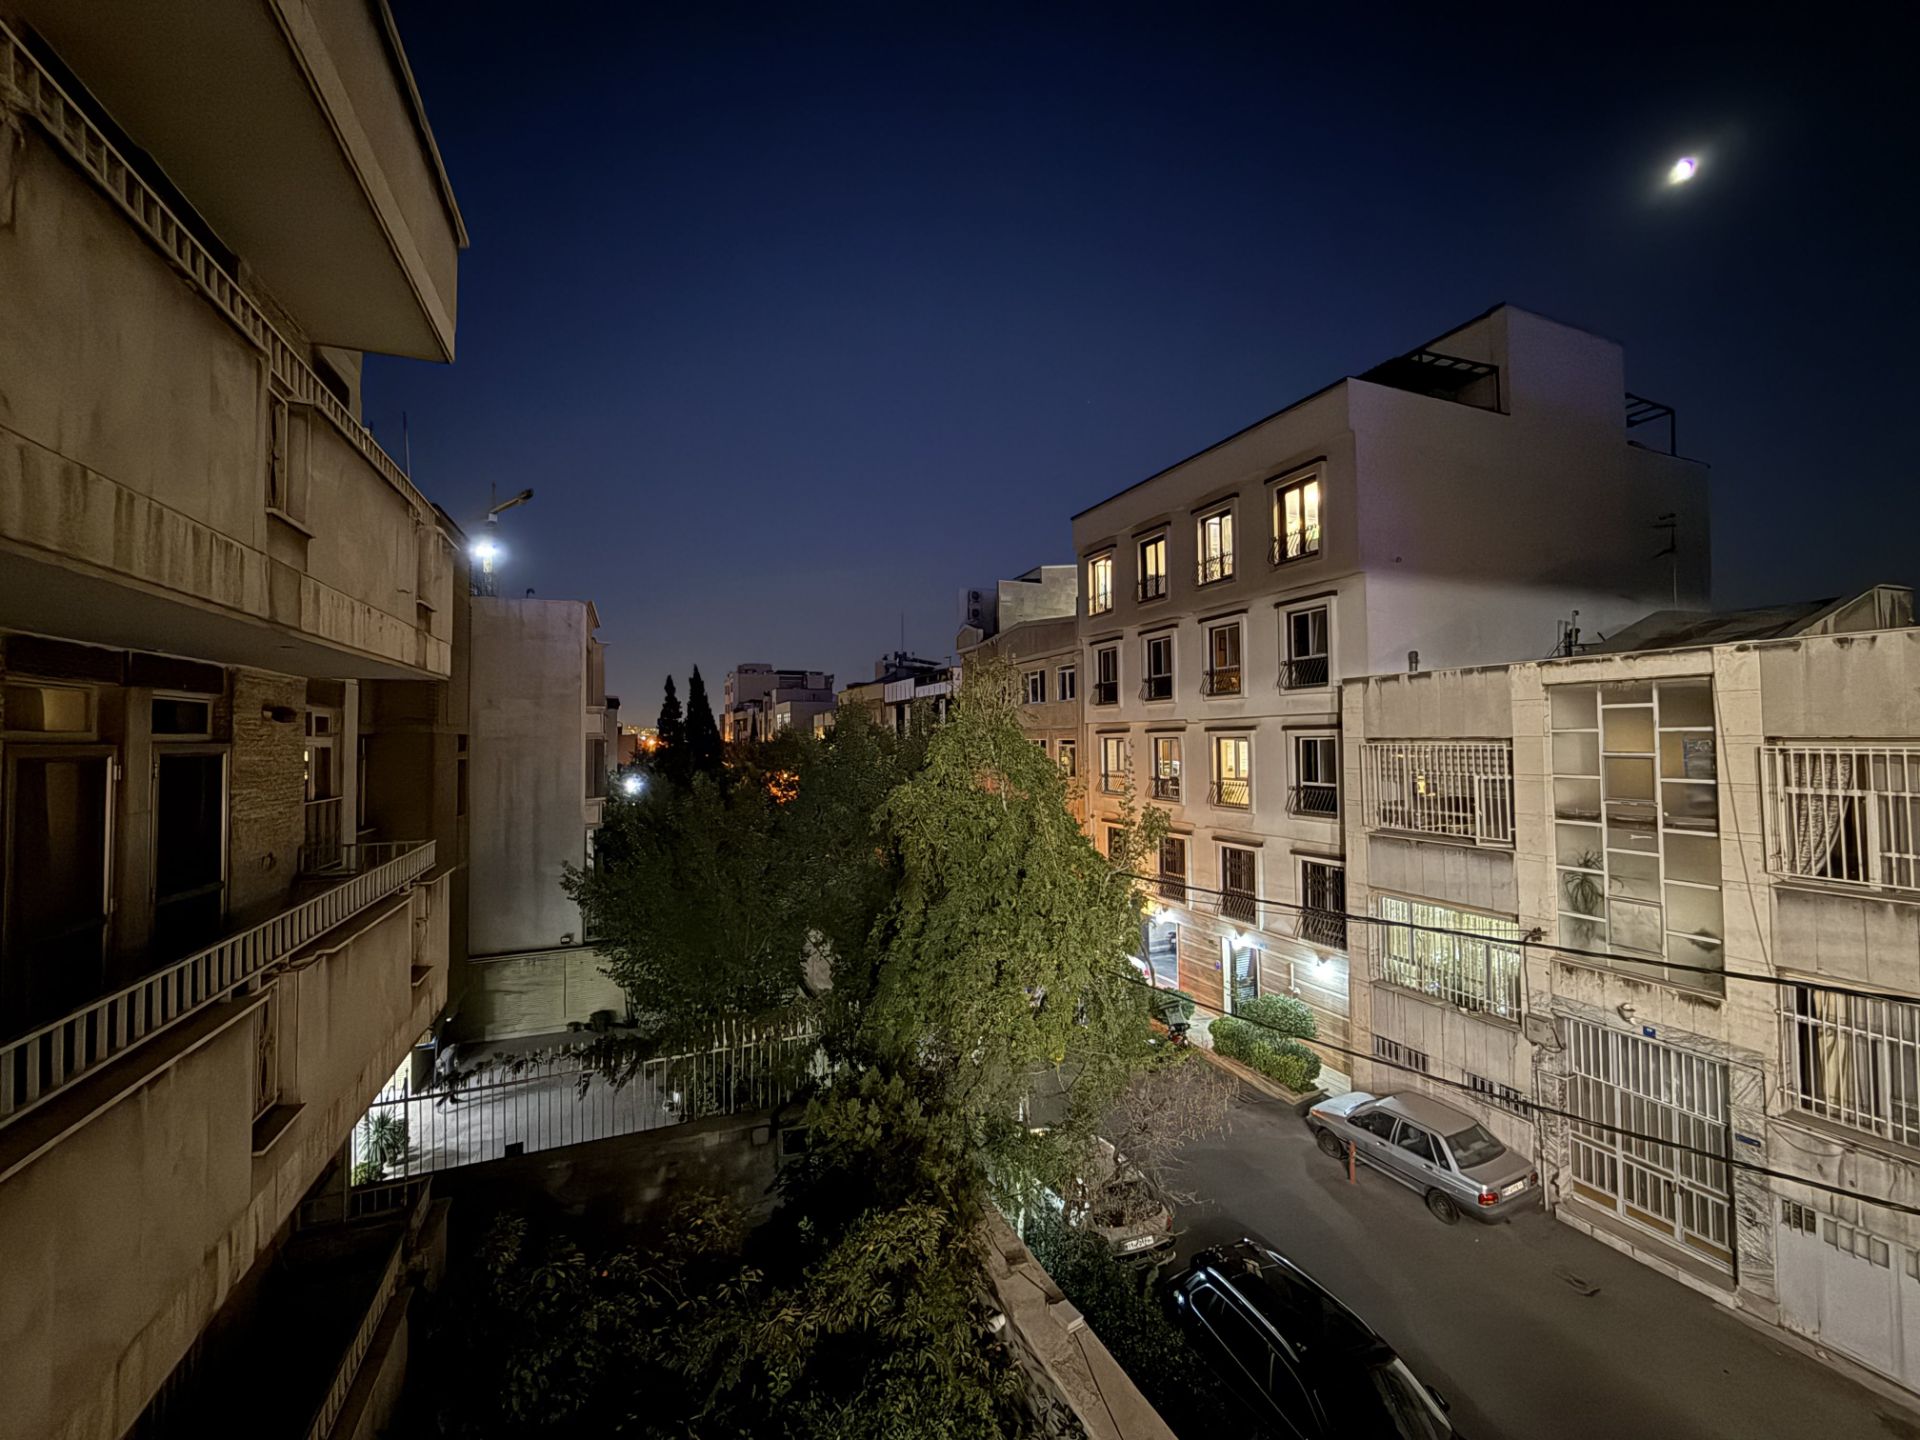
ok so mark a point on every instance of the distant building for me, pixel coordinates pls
(1029, 622)
(758, 701)
(900, 681)
(1597, 848)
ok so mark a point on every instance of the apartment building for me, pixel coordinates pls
(1029, 622)
(224, 914)
(900, 682)
(1667, 890)
(759, 702)
(537, 776)
(1453, 505)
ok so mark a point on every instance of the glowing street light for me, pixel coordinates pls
(1684, 169)
(634, 784)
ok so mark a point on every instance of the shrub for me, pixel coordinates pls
(1286, 1061)
(1171, 1007)
(1279, 1016)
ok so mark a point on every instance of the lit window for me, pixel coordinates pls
(1223, 659)
(1296, 520)
(1233, 771)
(1153, 568)
(1113, 763)
(1216, 547)
(1166, 767)
(1100, 584)
(1069, 754)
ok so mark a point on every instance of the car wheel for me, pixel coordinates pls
(1444, 1210)
(1330, 1144)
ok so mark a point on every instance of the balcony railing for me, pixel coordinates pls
(348, 1369)
(1157, 687)
(1224, 681)
(1106, 692)
(1299, 545)
(1317, 799)
(43, 1062)
(1307, 673)
(1166, 787)
(1233, 794)
(1323, 927)
(321, 848)
(1173, 887)
(1458, 788)
(1214, 567)
(34, 90)
(1241, 905)
(1150, 587)
(1844, 813)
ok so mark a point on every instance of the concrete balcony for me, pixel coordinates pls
(154, 1144)
(175, 473)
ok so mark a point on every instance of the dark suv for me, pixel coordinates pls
(1300, 1361)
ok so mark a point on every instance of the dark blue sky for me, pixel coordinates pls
(801, 317)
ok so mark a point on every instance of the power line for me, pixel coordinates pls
(1538, 1108)
(1521, 942)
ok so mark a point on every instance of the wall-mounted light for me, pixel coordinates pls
(279, 714)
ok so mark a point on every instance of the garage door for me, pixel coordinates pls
(1851, 1290)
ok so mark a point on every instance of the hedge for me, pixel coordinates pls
(1279, 1017)
(1284, 1060)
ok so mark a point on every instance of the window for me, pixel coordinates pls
(1116, 843)
(1039, 744)
(58, 840)
(1033, 687)
(1304, 667)
(1216, 547)
(1494, 1093)
(1636, 824)
(1296, 520)
(1404, 1056)
(1066, 683)
(1106, 675)
(189, 854)
(1173, 868)
(1323, 898)
(1440, 787)
(1856, 1061)
(1242, 961)
(1377, 1122)
(1159, 681)
(1100, 584)
(1113, 763)
(1417, 1143)
(1316, 774)
(1166, 767)
(596, 768)
(1068, 752)
(1153, 568)
(1848, 813)
(1239, 890)
(1223, 659)
(65, 711)
(181, 717)
(1233, 771)
(1419, 949)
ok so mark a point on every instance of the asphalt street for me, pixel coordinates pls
(1496, 1316)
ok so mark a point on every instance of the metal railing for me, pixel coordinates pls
(1157, 687)
(320, 850)
(1420, 952)
(1844, 813)
(1302, 544)
(42, 1062)
(1214, 567)
(348, 1370)
(33, 89)
(1307, 673)
(1106, 692)
(1150, 587)
(1242, 905)
(1224, 681)
(1855, 1061)
(1232, 794)
(1316, 798)
(1172, 887)
(1166, 787)
(1462, 788)
(1322, 927)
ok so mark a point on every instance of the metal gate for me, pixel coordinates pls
(1664, 1184)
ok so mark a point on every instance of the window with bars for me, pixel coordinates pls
(1100, 584)
(1159, 668)
(1296, 520)
(1462, 788)
(1113, 763)
(1152, 582)
(1419, 947)
(1855, 1061)
(1394, 1053)
(1494, 1093)
(1316, 776)
(1173, 868)
(1106, 675)
(1323, 896)
(1305, 665)
(1166, 767)
(1223, 659)
(1845, 813)
(1239, 887)
(1233, 771)
(1216, 547)
(1033, 687)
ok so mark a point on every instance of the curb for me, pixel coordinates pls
(1298, 1100)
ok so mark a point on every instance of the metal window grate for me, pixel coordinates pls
(1232, 794)
(1845, 813)
(1494, 1093)
(1855, 1061)
(1417, 950)
(1307, 673)
(1395, 1053)
(1440, 787)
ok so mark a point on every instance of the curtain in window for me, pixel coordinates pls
(1817, 783)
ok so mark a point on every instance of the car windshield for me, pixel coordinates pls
(1474, 1146)
(1384, 1399)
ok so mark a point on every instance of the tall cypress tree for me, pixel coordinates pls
(703, 735)
(674, 760)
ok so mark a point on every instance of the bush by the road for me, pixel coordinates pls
(1122, 1306)
(1279, 1017)
(1172, 1007)
(1286, 1061)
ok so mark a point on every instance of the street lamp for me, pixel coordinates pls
(486, 549)
(634, 784)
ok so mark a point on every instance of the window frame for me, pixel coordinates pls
(1299, 801)
(1099, 599)
(1157, 780)
(1148, 676)
(1210, 685)
(1237, 903)
(1172, 883)
(1320, 924)
(1113, 782)
(1297, 668)
(1066, 682)
(1218, 781)
(1299, 482)
(1151, 586)
(1101, 653)
(1027, 687)
(1212, 567)
(1067, 757)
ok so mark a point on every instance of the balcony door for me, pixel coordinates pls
(189, 850)
(59, 834)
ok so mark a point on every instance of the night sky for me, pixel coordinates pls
(799, 318)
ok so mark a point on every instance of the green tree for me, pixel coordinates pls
(672, 760)
(704, 751)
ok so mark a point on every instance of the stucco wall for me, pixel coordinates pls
(535, 994)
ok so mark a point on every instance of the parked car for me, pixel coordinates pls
(1445, 1154)
(1117, 1203)
(1302, 1364)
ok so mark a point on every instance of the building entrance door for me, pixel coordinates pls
(59, 830)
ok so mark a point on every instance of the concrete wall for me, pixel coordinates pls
(536, 994)
(1048, 593)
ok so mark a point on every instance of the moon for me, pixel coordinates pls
(1684, 169)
